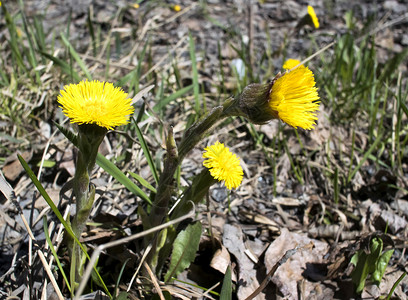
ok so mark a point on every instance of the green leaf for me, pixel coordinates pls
(366, 264)
(381, 265)
(376, 246)
(360, 273)
(184, 249)
(122, 296)
(226, 290)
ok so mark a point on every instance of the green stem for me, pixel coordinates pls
(175, 157)
(90, 137)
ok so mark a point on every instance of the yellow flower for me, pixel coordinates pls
(177, 7)
(223, 165)
(135, 5)
(312, 14)
(293, 98)
(97, 103)
(290, 63)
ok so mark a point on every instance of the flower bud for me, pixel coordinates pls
(291, 97)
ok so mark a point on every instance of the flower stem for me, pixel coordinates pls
(89, 139)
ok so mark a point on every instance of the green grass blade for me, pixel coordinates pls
(66, 68)
(114, 171)
(195, 74)
(91, 30)
(13, 41)
(146, 152)
(119, 277)
(54, 253)
(76, 56)
(366, 155)
(126, 78)
(143, 182)
(172, 97)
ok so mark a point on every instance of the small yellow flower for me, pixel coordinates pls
(291, 63)
(177, 7)
(293, 98)
(312, 14)
(135, 5)
(223, 165)
(97, 103)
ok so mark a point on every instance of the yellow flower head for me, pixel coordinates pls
(177, 7)
(97, 103)
(312, 14)
(135, 5)
(223, 165)
(293, 98)
(290, 63)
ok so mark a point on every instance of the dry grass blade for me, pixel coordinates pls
(154, 281)
(50, 275)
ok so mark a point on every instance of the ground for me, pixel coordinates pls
(309, 202)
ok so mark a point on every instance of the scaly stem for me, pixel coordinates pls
(89, 139)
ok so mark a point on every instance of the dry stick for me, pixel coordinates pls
(280, 262)
(154, 280)
(100, 248)
(207, 292)
(146, 252)
(50, 275)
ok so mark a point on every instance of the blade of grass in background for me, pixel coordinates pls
(159, 106)
(13, 41)
(196, 86)
(76, 56)
(63, 65)
(146, 152)
(366, 155)
(91, 29)
(116, 173)
(31, 51)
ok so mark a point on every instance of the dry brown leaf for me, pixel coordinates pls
(12, 170)
(298, 267)
(233, 240)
